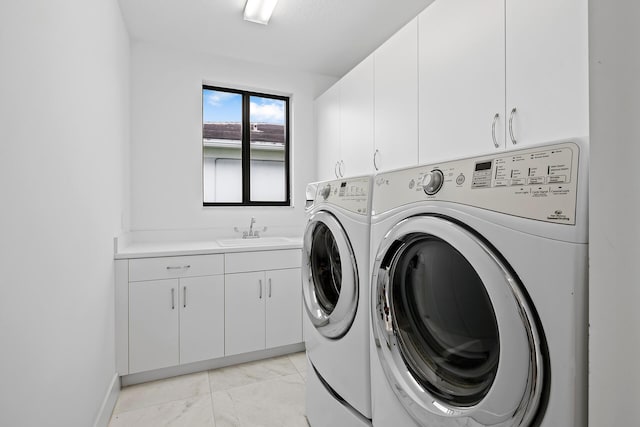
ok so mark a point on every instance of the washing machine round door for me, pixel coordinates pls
(454, 332)
(330, 280)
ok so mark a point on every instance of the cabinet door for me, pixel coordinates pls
(201, 318)
(153, 325)
(244, 312)
(328, 132)
(461, 78)
(547, 69)
(396, 100)
(284, 307)
(356, 119)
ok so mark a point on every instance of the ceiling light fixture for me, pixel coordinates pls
(259, 11)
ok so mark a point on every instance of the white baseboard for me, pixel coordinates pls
(143, 377)
(109, 402)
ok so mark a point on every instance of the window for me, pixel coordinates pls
(245, 146)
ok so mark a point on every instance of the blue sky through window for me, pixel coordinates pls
(219, 106)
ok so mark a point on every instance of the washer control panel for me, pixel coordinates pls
(351, 194)
(537, 183)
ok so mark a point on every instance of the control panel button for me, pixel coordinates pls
(432, 182)
(460, 179)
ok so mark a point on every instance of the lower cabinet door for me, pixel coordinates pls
(201, 318)
(153, 325)
(284, 307)
(244, 312)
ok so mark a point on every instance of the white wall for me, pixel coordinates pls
(166, 156)
(64, 130)
(614, 213)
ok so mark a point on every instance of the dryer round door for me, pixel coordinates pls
(330, 279)
(454, 331)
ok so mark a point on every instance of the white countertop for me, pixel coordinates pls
(158, 249)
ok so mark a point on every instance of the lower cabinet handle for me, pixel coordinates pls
(173, 298)
(269, 287)
(375, 158)
(493, 130)
(335, 169)
(341, 168)
(184, 297)
(178, 267)
(260, 288)
(513, 140)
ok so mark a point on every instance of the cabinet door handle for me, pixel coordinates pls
(513, 140)
(178, 267)
(493, 130)
(341, 168)
(269, 287)
(184, 297)
(335, 169)
(173, 298)
(260, 289)
(375, 158)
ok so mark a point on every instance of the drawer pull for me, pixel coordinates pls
(178, 267)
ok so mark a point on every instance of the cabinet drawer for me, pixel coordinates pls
(172, 267)
(262, 260)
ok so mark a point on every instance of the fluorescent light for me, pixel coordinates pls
(259, 11)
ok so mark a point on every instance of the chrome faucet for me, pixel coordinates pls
(251, 233)
(253, 221)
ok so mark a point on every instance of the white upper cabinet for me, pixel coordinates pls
(547, 70)
(396, 100)
(462, 78)
(356, 120)
(328, 133)
(498, 74)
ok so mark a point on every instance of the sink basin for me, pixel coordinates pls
(260, 241)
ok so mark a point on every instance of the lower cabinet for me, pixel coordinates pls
(172, 311)
(263, 310)
(175, 321)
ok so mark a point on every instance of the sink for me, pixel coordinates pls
(260, 241)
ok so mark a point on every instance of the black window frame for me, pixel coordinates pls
(246, 149)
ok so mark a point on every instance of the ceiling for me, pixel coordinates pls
(322, 36)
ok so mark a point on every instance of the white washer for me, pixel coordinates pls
(335, 279)
(479, 291)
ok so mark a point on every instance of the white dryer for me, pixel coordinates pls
(335, 280)
(479, 291)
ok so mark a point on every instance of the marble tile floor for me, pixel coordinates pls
(265, 393)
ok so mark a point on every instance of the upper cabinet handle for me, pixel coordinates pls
(375, 158)
(335, 169)
(493, 130)
(513, 140)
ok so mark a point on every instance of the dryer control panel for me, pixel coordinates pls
(351, 194)
(538, 183)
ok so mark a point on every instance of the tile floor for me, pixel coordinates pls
(266, 393)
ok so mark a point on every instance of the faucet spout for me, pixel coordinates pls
(253, 221)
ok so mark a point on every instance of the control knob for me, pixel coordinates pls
(432, 182)
(326, 191)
